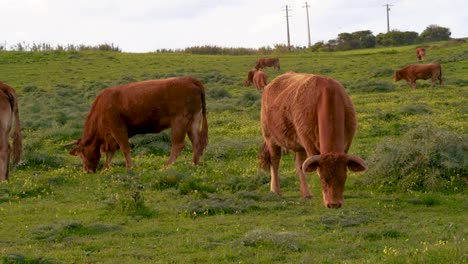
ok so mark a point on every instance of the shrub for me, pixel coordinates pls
(415, 109)
(426, 159)
(218, 93)
(289, 241)
(364, 86)
(217, 205)
(249, 98)
(381, 72)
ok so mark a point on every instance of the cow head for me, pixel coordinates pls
(397, 76)
(250, 75)
(89, 156)
(332, 169)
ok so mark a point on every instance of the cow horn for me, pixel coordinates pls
(308, 161)
(74, 142)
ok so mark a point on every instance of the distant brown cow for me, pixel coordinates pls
(313, 116)
(267, 62)
(421, 54)
(152, 106)
(413, 72)
(250, 75)
(9, 114)
(260, 80)
(257, 77)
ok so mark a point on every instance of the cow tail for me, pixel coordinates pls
(203, 133)
(264, 157)
(17, 138)
(440, 76)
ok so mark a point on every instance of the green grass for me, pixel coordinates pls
(222, 211)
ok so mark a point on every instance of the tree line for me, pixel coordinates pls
(345, 41)
(365, 39)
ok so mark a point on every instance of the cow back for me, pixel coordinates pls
(144, 107)
(293, 102)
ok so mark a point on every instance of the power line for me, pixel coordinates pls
(388, 19)
(287, 9)
(308, 24)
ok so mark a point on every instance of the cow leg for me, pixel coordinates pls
(109, 156)
(275, 157)
(178, 131)
(194, 138)
(4, 151)
(4, 162)
(120, 135)
(299, 160)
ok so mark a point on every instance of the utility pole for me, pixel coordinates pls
(308, 25)
(287, 25)
(388, 19)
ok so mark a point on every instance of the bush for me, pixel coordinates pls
(249, 98)
(415, 109)
(364, 86)
(218, 93)
(426, 159)
(381, 72)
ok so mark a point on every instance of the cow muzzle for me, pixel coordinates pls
(334, 205)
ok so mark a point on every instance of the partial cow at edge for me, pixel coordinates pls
(421, 54)
(313, 116)
(258, 78)
(119, 113)
(267, 62)
(414, 72)
(9, 114)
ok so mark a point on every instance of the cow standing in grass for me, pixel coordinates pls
(258, 78)
(9, 114)
(267, 62)
(421, 54)
(413, 72)
(152, 106)
(313, 116)
(250, 75)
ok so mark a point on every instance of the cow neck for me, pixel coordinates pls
(331, 121)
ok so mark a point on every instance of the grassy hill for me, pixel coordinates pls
(221, 210)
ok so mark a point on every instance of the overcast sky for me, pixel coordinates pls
(148, 25)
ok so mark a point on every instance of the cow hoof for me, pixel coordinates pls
(130, 172)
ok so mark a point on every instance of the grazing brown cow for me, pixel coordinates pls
(267, 62)
(250, 75)
(421, 54)
(260, 80)
(152, 106)
(313, 116)
(257, 77)
(9, 113)
(413, 72)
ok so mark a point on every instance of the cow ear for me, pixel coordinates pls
(356, 164)
(311, 164)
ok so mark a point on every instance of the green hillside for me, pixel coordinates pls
(222, 211)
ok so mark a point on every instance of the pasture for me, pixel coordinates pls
(222, 211)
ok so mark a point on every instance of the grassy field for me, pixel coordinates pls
(222, 211)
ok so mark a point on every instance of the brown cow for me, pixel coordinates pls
(260, 80)
(421, 54)
(152, 106)
(250, 75)
(257, 77)
(9, 113)
(313, 116)
(267, 62)
(413, 72)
